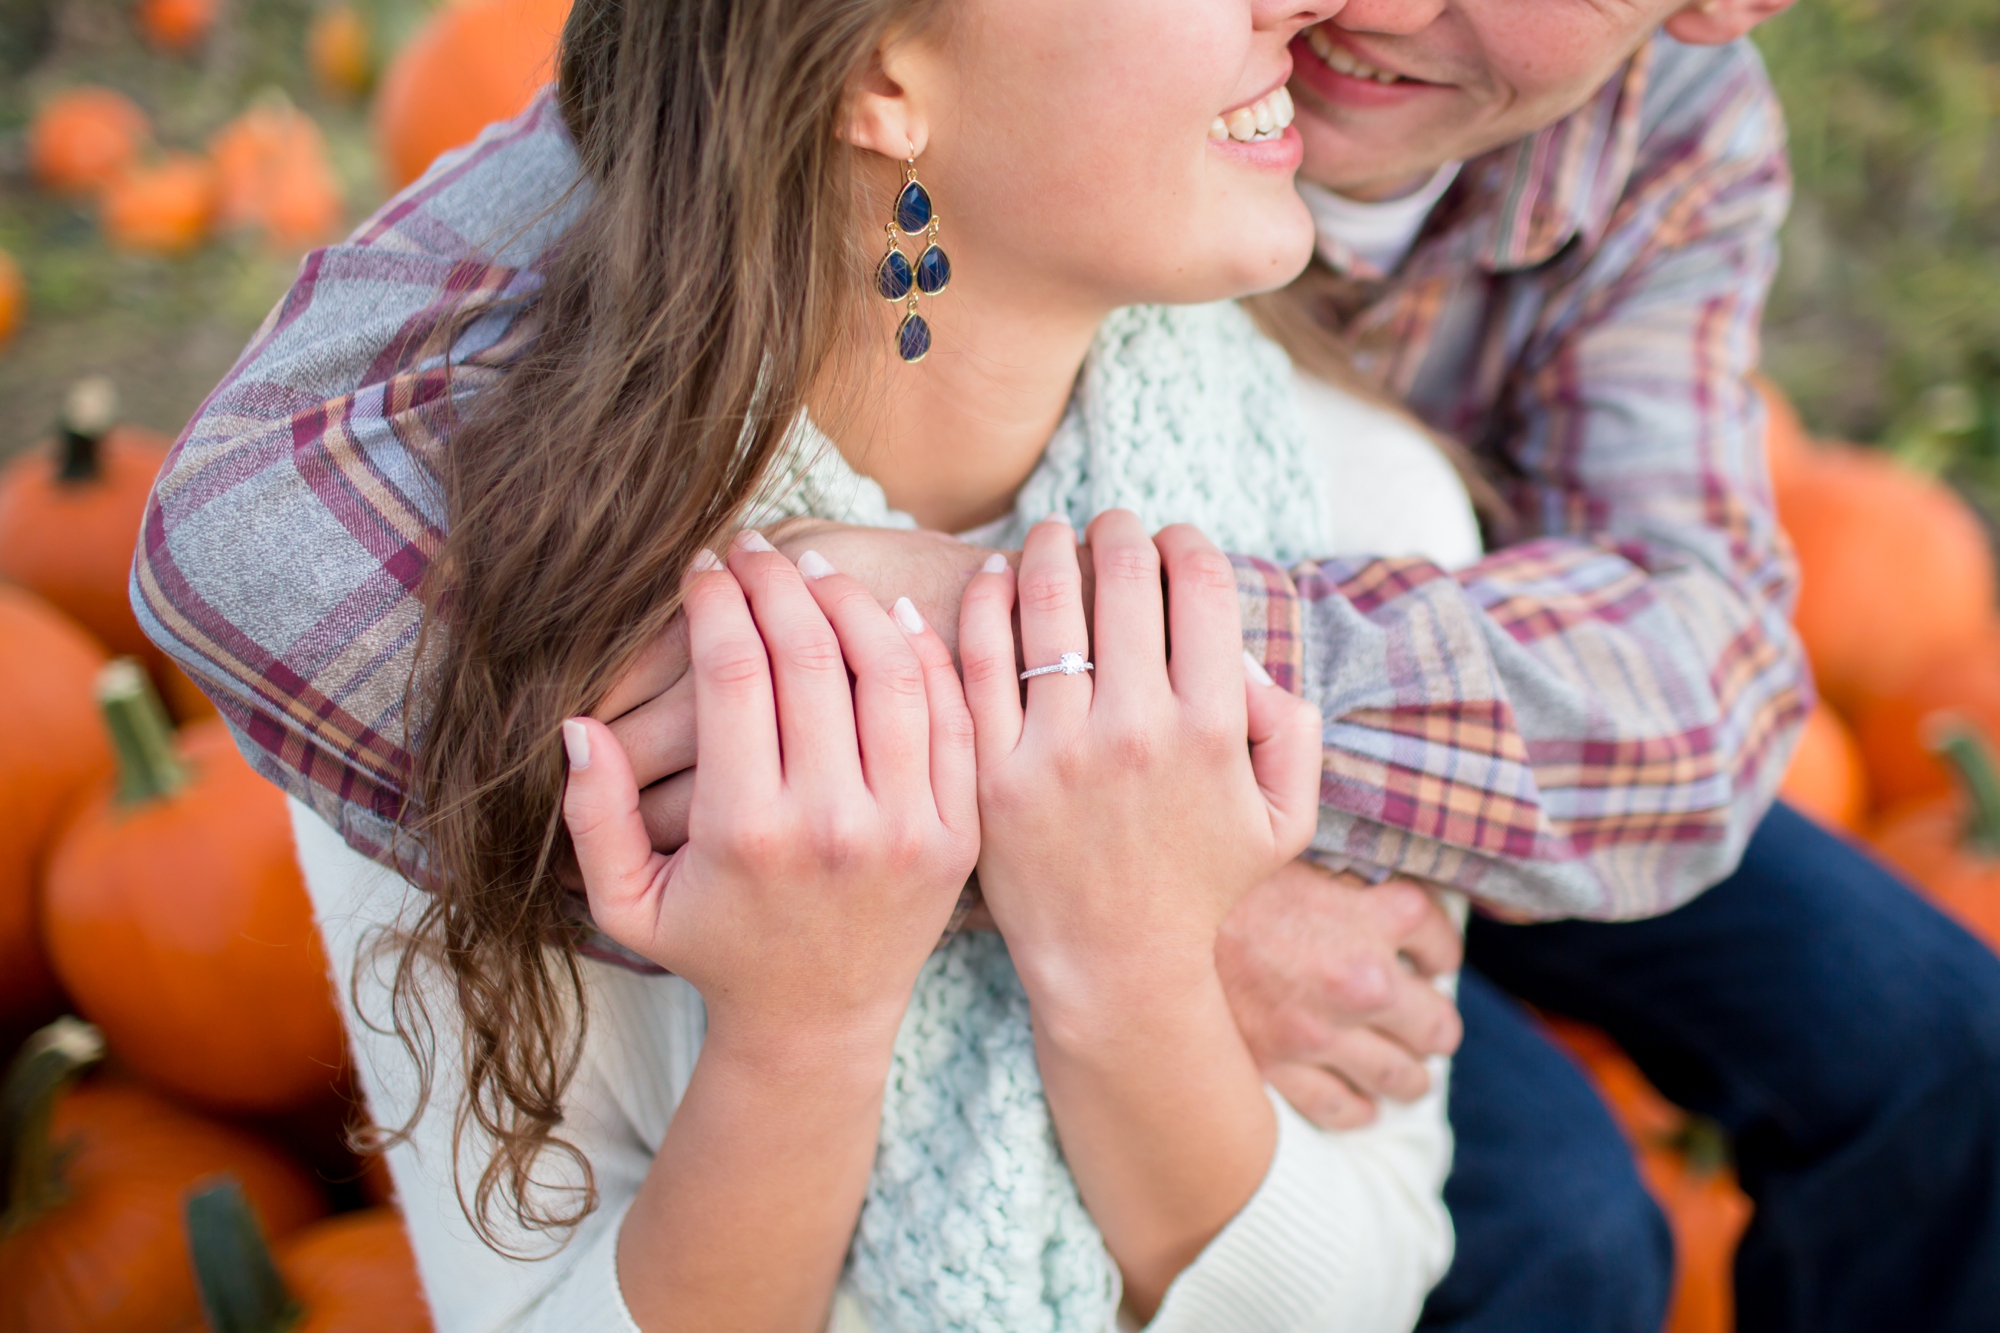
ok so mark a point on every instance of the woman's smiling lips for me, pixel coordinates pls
(1335, 72)
(1260, 133)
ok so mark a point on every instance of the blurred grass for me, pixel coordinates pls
(164, 329)
(1885, 323)
(1884, 327)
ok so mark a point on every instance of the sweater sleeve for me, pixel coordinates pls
(1347, 1234)
(639, 1054)
(1592, 721)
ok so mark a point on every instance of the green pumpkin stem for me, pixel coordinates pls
(241, 1291)
(1970, 759)
(140, 733)
(44, 1068)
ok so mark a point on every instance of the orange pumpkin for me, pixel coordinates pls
(84, 138)
(272, 162)
(164, 208)
(1684, 1161)
(471, 64)
(69, 522)
(93, 1241)
(1890, 728)
(1895, 570)
(176, 25)
(339, 52)
(52, 748)
(1788, 449)
(13, 298)
(273, 175)
(1950, 846)
(1826, 779)
(349, 1274)
(176, 918)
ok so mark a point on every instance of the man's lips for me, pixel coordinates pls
(1334, 71)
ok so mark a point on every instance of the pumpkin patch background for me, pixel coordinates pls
(163, 166)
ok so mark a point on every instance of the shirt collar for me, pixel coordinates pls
(1564, 181)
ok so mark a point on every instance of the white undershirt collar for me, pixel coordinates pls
(1379, 234)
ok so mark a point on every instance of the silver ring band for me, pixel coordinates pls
(1070, 664)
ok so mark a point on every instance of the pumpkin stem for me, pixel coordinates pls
(140, 733)
(1970, 759)
(47, 1064)
(241, 1291)
(89, 411)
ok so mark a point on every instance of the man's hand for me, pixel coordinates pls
(651, 707)
(1330, 981)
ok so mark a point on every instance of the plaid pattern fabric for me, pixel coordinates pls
(1588, 722)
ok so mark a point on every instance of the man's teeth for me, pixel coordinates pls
(1263, 120)
(1342, 59)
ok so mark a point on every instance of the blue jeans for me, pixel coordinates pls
(1845, 1033)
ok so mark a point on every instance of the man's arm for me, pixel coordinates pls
(1590, 723)
(288, 534)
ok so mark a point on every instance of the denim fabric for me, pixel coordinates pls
(1845, 1033)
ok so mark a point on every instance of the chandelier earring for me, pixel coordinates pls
(897, 279)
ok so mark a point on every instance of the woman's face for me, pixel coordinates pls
(1108, 153)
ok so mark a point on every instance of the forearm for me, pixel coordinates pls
(1161, 1115)
(745, 1217)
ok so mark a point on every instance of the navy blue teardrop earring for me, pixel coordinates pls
(896, 279)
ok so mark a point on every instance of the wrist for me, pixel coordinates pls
(1093, 1004)
(824, 1052)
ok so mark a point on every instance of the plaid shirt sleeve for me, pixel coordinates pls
(1592, 722)
(287, 535)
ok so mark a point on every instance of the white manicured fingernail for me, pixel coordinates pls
(706, 561)
(1058, 518)
(1255, 669)
(576, 740)
(995, 564)
(815, 566)
(752, 540)
(907, 616)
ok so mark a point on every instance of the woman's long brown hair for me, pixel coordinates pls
(681, 321)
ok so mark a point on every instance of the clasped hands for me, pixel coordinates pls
(1329, 978)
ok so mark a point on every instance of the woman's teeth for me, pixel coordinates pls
(1342, 59)
(1263, 120)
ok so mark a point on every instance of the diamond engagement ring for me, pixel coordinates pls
(1069, 664)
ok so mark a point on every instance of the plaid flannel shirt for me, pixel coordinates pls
(1588, 722)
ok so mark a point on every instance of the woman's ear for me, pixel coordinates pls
(882, 113)
(1717, 22)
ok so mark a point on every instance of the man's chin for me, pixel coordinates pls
(1354, 158)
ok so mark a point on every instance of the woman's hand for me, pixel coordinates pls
(1123, 816)
(831, 829)
(1126, 813)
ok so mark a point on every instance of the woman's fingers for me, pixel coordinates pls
(622, 874)
(1130, 639)
(1285, 754)
(986, 656)
(891, 715)
(1204, 621)
(732, 691)
(1050, 591)
(954, 776)
(808, 672)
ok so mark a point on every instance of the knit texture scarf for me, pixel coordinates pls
(972, 1222)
